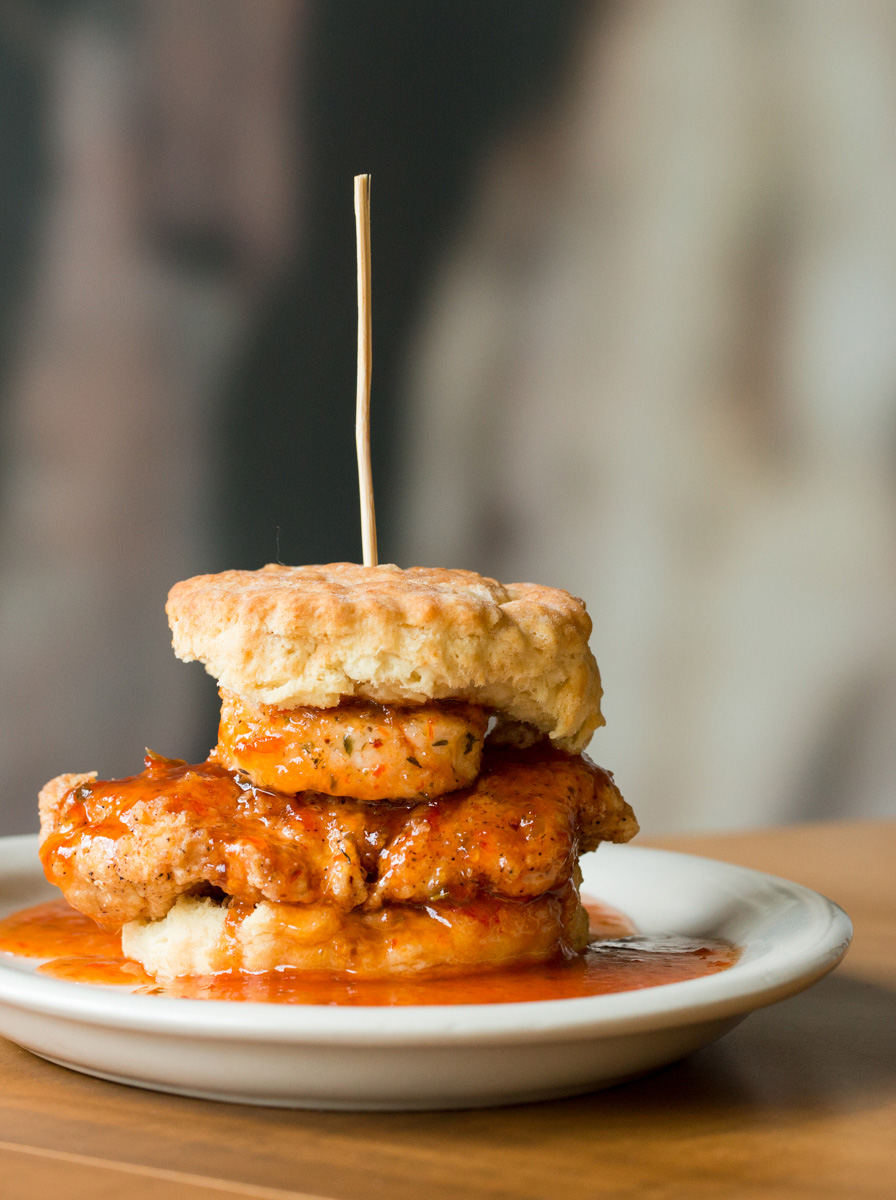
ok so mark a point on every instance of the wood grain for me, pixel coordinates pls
(799, 1101)
(28, 1169)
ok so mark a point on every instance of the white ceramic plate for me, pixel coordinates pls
(460, 1056)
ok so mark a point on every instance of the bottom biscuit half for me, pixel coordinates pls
(202, 936)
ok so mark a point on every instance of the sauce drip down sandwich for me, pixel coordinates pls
(398, 783)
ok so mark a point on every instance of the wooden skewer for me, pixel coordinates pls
(365, 364)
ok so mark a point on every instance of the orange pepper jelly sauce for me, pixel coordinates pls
(617, 960)
(76, 947)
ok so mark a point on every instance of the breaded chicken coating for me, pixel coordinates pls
(126, 850)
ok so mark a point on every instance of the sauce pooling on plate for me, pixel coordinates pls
(618, 959)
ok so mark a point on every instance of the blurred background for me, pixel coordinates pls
(634, 279)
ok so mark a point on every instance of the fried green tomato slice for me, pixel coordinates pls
(359, 749)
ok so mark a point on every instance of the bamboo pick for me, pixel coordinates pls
(365, 363)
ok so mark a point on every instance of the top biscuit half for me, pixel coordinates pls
(293, 636)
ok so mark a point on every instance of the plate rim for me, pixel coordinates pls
(736, 991)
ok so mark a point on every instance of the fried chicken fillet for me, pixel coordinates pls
(127, 849)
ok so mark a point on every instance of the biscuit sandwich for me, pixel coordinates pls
(398, 783)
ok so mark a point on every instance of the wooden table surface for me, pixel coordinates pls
(799, 1101)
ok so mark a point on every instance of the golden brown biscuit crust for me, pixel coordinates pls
(200, 936)
(291, 636)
